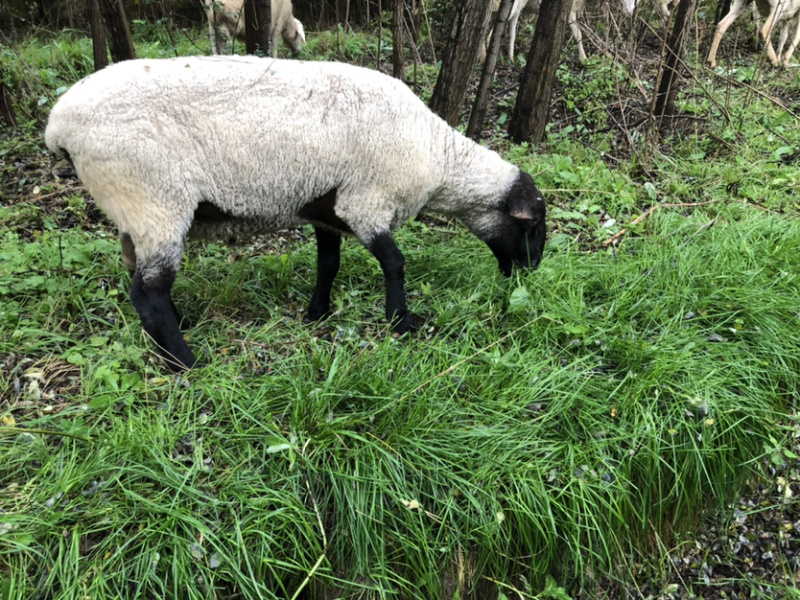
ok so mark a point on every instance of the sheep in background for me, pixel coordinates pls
(226, 147)
(577, 8)
(227, 17)
(773, 12)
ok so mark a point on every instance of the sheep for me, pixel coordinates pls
(773, 12)
(227, 147)
(227, 17)
(578, 6)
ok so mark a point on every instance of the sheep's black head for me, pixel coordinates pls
(518, 237)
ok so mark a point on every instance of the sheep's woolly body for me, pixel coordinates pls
(260, 139)
(225, 147)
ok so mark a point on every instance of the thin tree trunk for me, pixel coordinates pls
(398, 41)
(120, 41)
(478, 115)
(257, 15)
(459, 58)
(668, 77)
(99, 48)
(529, 119)
(6, 110)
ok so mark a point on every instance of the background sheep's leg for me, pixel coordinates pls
(394, 268)
(736, 9)
(576, 33)
(160, 318)
(795, 41)
(328, 253)
(766, 33)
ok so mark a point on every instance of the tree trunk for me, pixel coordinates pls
(99, 49)
(6, 111)
(398, 29)
(478, 115)
(119, 32)
(257, 14)
(459, 57)
(529, 119)
(668, 77)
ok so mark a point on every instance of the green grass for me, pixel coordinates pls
(567, 427)
(552, 424)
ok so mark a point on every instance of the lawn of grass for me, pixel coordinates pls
(541, 436)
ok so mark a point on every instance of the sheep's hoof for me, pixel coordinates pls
(404, 324)
(181, 365)
(318, 314)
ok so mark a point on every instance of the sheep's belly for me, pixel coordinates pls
(211, 223)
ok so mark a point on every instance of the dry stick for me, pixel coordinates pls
(166, 354)
(31, 430)
(776, 101)
(650, 211)
(60, 192)
(313, 570)
(711, 223)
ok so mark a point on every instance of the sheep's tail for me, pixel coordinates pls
(52, 140)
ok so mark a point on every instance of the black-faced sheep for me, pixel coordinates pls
(227, 17)
(225, 147)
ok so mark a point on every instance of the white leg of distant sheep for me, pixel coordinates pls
(766, 33)
(736, 9)
(795, 41)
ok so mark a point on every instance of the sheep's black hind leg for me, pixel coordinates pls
(160, 318)
(393, 264)
(328, 259)
(129, 258)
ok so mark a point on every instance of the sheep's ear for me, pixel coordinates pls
(520, 209)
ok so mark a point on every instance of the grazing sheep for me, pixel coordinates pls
(773, 11)
(578, 6)
(225, 147)
(227, 17)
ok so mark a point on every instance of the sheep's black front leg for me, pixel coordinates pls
(160, 318)
(393, 264)
(328, 259)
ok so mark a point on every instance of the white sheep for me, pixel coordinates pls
(577, 8)
(227, 17)
(226, 147)
(773, 11)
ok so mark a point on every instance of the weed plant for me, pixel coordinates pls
(555, 430)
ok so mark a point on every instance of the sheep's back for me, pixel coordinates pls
(234, 128)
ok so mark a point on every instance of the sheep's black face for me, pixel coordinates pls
(518, 240)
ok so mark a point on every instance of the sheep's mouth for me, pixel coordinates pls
(531, 264)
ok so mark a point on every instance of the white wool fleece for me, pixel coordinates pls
(259, 139)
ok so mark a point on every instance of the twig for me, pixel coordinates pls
(19, 430)
(650, 211)
(313, 569)
(636, 221)
(62, 191)
(776, 101)
(702, 228)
